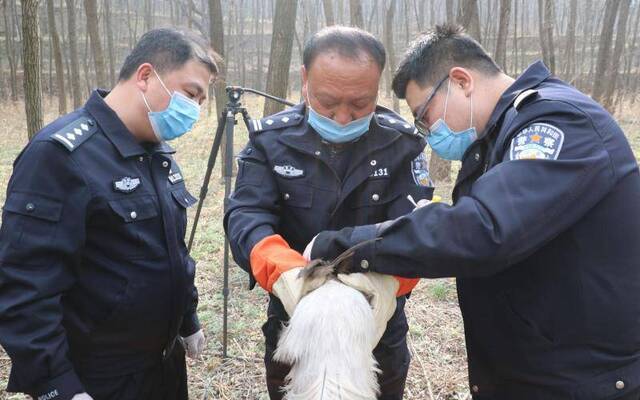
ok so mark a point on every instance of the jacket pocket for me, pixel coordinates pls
(30, 219)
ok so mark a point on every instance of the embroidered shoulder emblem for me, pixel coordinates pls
(420, 171)
(538, 141)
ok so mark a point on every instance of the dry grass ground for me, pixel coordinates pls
(436, 338)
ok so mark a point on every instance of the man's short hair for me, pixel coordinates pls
(432, 55)
(167, 50)
(351, 43)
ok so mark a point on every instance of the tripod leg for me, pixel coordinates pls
(228, 171)
(207, 176)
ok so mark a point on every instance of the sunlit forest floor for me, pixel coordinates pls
(436, 338)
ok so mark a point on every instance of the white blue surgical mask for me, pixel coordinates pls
(332, 131)
(177, 119)
(444, 141)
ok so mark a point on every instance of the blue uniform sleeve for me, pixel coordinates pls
(41, 237)
(512, 210)
(253, 209)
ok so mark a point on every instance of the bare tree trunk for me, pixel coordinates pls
(604, 49)
(216, 34)
(549, 17)
(91, 10)
(148, 15)
(503, 33)
(469, 17)
(355, 10)
(11, 55)
(570, 49)
(74, 79)
(515, 63)
(631, 54)
(31, 61)
(450, 10)
(328, 12)
(284, 22)
(108, 25)
(388, 43)
(621, 36)
(57, 54)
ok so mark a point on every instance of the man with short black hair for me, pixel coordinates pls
(335, 160)
(542, 234)
(97, 295)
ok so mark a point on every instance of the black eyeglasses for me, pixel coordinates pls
(422, 127)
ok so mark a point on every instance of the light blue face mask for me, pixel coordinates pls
(177, 119)
(333, 132)
(445, 142)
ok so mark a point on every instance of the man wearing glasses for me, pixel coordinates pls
(542, 234)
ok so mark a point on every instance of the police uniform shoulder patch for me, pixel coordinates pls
(393, 121)
(420, 171)
(538, 141)
(75, 133)
(277, 121)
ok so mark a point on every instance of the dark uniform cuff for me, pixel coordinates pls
(190, 325)
(328, 245)
(62, 387)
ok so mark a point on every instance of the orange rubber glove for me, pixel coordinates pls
(406, 285)
(272, 256)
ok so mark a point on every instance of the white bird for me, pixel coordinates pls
(331, 334)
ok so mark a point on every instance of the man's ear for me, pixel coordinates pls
(142, 75)
(462, 78)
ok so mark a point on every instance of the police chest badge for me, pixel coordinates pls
(288, 171)
(420, 171)
(538, 141)
(126, 185)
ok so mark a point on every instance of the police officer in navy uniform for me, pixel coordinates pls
(335, 160)
(542, 234)
(97, 294)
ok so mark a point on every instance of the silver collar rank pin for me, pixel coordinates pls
(126, 185)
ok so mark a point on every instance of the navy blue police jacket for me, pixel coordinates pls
(544, 238)
(287, 184)
(95, 278)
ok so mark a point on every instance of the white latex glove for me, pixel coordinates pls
(289, 288)
(194, 344)
(307, 250)
(380, 290)
(82, 396)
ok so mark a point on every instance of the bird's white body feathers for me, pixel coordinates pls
(328, 342)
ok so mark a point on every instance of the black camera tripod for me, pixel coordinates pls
(226, 125)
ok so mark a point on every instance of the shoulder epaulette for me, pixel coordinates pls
(523, 96)
(75, 133)
(277, 121)
(393, 121)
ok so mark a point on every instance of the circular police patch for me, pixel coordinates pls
(420, 171)
(537, 141)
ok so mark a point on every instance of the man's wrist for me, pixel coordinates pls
(62, 387)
